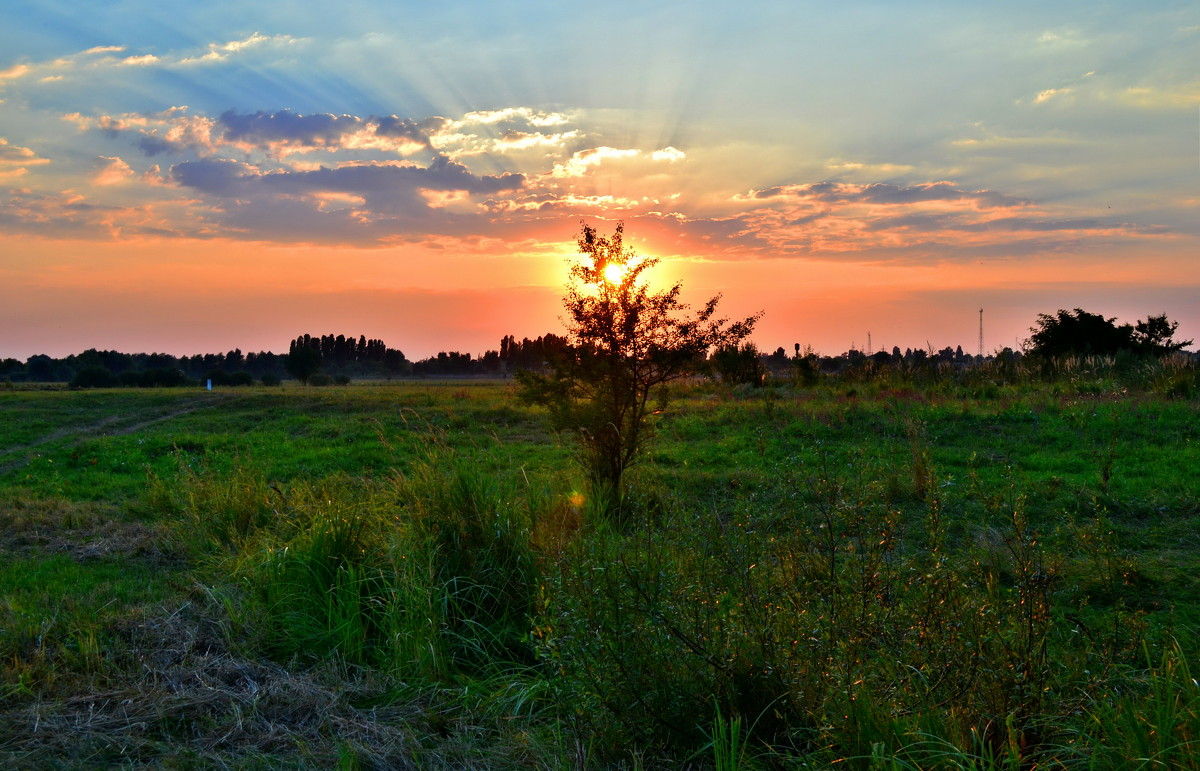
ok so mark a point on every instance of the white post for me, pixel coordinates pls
(210, 384)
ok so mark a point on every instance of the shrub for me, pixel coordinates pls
(93, 377)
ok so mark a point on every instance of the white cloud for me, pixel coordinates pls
(139, 61)
(1052, 93)
(220, 52)
(1062, 39)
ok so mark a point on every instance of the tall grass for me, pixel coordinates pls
(424, 575)
(849, 607)
(479, 538)
(831, 629)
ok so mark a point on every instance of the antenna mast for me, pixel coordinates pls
(981, 333)
(869, 351)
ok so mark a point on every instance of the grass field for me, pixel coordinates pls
(413, 575)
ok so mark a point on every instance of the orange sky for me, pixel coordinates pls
(182, 183)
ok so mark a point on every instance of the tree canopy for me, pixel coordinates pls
(1081, 333)
(624, 341)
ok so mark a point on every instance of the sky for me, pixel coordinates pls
(185, 177)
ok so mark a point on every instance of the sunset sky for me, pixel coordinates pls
(191, 177)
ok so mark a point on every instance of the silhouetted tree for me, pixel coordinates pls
(93, 376)
(738, 364)
(1156, 335)
(624, 341)
(304, 358)
(1078, 333)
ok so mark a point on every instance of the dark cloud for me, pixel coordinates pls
(318, 130)
(216, 176)
(888, 194)
(923, 222)
(227, 178)
(152, 145)
(288, 205)
(418, 131)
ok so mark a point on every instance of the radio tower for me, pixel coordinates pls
(981, 333)
(869, 351)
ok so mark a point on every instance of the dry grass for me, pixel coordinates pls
(187, 697)
(81, 530)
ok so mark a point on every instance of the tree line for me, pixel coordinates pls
(317, 359)
(339, 358)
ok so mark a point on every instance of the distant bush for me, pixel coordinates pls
(320, 379)
(271, 379)
(240, 379)
(164, 377)
(93, 377)
(341, 379)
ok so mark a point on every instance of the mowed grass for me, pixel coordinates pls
(411, 572)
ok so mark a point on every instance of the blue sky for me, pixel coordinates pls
(241, 173)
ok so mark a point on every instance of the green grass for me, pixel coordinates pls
(878, 575)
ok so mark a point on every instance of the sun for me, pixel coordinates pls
(614, 273)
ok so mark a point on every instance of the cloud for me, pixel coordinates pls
(284, 132)
(1171, 97)
(139, 61)
(15, 161)
(1052, 93)
(221, 52)
(583, 162)
(837, 218)
(12, 155)
(215, 176)
(357, 202)
(72, 215)
(884, 193)
(111, 171)
(372, 180)
(262, 128)
(15, 72)
(101, 58)
(172, 131)
(1061, 39)
(229, 177)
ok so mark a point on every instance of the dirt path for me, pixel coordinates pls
(114, 425)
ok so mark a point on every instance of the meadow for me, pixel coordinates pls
(868, 574)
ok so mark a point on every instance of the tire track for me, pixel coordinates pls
(121, 425)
